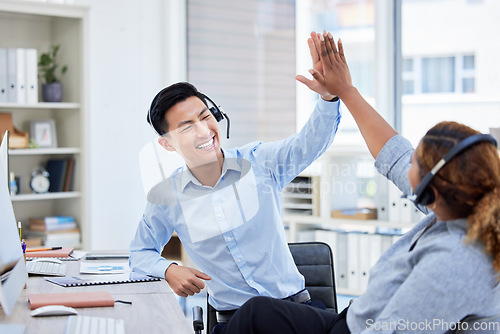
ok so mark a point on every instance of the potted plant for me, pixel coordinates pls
(52, 89)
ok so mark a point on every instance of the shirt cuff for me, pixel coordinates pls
(326, 107)
(160, 268)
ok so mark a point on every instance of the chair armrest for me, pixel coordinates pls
(197, 319)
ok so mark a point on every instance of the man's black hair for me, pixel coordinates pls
(166, 99)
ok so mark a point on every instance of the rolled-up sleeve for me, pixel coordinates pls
(147, 245)
(393, 162)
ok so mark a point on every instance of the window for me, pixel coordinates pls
(354, 22)
(451, 74)
(449, 68)
(242, 55)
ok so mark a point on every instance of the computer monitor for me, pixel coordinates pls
(13, 274)
(4, 155)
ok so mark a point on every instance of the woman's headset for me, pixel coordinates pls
(424, 194)
(216, 111)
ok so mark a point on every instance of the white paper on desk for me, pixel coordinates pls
(78, 254)
(104, 267)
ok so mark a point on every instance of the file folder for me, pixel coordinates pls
(3, 76)
(382, 198)
(16, 62)
(341, 250)
(31, 76)
(394, 203)
(353, 278)
(375, 248)
(364, 260)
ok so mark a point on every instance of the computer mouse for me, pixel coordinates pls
(53, 310)
(47, 259)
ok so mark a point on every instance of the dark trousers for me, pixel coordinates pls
(262, 315)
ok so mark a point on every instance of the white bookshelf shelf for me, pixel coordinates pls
(45, 151)
(41, 105)
(335, 222)
(45, 196)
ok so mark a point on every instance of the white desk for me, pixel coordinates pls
(154, 307)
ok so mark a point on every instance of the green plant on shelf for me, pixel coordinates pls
(48, 65)
(33, 143)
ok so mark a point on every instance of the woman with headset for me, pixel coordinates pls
(447, 267)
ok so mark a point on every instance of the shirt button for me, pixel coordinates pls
(239, 260)
(250, 281)
(229, 239)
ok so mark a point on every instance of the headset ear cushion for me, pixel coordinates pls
(428, 196)
(217, 114)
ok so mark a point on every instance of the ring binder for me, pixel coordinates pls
(100, 279)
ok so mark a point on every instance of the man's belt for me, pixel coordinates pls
(300, 297)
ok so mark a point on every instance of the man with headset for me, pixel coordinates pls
(225, 205)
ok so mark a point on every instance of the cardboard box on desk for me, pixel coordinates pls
(17, 138)
(359, 214)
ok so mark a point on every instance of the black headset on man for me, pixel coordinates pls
(424, 194)
(216, 111)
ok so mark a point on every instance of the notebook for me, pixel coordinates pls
(61, 254)
(72, 299)
(101, 279)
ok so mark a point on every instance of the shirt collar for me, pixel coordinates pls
(230, 163)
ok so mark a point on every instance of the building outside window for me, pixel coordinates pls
(450, 70)
(438, 74)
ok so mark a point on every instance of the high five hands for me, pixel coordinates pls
(331, 76)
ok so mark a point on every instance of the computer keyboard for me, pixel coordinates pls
(48, 268)
(94, 325)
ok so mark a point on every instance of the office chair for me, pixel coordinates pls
(314, 261)
(474, 324)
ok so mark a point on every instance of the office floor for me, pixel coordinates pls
(200, 299)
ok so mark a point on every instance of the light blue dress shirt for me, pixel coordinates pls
(234, 231)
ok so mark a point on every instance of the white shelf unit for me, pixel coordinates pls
(337, 179)
(38, 25)
(301, 196)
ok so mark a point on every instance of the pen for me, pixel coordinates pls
(19, 227)
(42, 249)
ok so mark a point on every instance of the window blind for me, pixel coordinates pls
(242, 55)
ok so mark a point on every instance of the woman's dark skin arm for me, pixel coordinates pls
(336, 79)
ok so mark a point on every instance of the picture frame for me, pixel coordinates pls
(43, 133)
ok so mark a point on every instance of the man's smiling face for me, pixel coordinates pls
(193, 132)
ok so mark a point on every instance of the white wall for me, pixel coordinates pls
(131, 57)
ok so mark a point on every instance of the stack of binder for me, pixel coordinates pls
(18, 75)
(55, 231)
(354, 254)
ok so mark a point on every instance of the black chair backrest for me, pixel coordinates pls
(315, 262)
